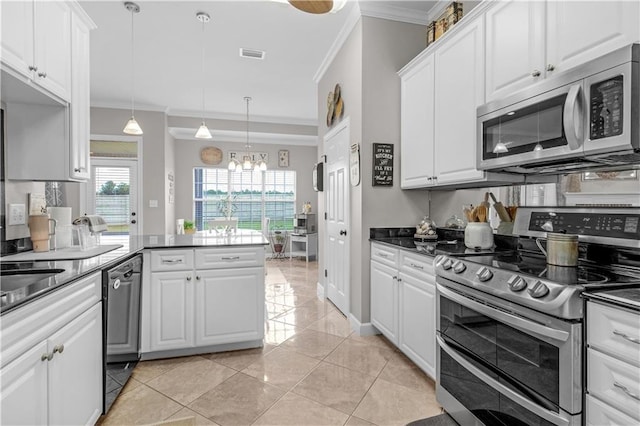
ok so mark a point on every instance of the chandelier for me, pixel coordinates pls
(247, 163)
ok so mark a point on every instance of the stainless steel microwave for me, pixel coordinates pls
(585, 118)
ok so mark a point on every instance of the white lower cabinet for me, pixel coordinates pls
(202, 297)
(58, 379)
(403, 302)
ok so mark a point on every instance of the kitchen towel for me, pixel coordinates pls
(96, 223)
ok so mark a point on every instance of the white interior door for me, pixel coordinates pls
(112, 194)
(336, 145)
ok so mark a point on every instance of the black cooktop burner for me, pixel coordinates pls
(535, 266)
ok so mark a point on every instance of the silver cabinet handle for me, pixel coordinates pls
(170, 261)
(231, 258)
(42, 74)
(417, 266)
(198, 277)
(33, 68)
(429, 178)
(394, 277)
(383, 254)
(58, 348)
(188, 278)
(626, 337)
(550, 67)
(79, 169)
(535, 73)
(624, 389)
(46, 357)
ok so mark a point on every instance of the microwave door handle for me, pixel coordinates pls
(573, 133)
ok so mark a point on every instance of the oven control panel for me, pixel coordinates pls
(611, 225)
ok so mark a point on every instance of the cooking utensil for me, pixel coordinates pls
(481, 212)
(500, 209)
(562, 249)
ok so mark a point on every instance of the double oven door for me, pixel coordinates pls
(501, 364)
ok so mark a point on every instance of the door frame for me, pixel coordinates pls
(345, 125)
(139, 175)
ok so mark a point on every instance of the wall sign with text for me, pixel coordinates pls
(254, 156)
(382, 164)
(354, 164)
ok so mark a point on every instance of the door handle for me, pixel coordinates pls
(133, 221)
(343, 232)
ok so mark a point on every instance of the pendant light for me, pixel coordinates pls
(203, 131)
(318, 7)
(247, 164)
(132, 127)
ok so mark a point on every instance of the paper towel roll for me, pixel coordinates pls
(62, 215)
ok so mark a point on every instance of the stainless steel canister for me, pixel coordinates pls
(562, 249)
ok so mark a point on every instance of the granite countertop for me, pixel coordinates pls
(628, 297)
(75, 269)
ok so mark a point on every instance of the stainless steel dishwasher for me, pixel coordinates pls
(121, 325)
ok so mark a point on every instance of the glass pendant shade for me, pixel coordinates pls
(246, 164)
(500, 148)
(203, 132)
(132, 127)
(538, 147)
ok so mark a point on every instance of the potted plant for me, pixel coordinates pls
(278, 241)
(189, 227)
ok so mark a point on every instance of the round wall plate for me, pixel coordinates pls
(211, 155)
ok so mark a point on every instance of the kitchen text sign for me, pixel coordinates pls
(382, 164)
(254, 156)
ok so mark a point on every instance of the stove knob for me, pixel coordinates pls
(446, 265)
(538, 290)
(459, 267)
(484, 274)
(517, 283)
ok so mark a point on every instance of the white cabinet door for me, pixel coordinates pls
(172, 310)
(229, 306)
(75, 371)
(418, 321)
(53, 47)
(23, 388)
(515, 46)
(384, 300)
(416, 125)
(80, 104)
(17, 35)
(459, 90)
(581, 31)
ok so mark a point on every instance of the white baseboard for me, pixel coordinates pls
(362, 329)
(320, 291)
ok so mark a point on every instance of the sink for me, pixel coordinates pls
(15, 279)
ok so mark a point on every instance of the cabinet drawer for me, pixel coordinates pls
(384, 254)
(36, 321)
(417, 265)
(614, 331)
(229, 258)
(171, 260)
(299, 238)
(601, 414)
(614, 382)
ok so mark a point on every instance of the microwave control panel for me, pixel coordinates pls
(626, 226)
(605, 108)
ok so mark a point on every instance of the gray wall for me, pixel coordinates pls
(301, 159)
(366, 68)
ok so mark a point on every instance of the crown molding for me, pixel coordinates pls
(183, 133)
(242, 117)
(127, 106)
(381, 10)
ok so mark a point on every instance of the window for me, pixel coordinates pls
(247, 193)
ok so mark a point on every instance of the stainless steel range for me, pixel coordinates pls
(509, 326)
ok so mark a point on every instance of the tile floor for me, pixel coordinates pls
(312, 370)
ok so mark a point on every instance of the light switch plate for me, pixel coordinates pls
(153, 203)
(17, 214)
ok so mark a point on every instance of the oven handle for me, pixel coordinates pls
(520, 323)
(550, 416)
(574, 136)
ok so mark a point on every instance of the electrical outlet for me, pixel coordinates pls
(17, 214)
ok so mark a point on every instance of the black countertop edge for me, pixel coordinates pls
(131, 245)
(627, 298)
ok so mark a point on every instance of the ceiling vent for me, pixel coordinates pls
(252, 53)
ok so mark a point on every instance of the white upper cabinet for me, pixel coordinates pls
(581, 31)
(416, 125)
(36, 43)
(80, 99)
(530, 41)
(459, 91)
(513, 29)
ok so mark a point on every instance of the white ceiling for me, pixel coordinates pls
(168, 43)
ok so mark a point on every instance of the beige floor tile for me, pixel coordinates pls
(290, 298)
(238, 401)
(360, 357)
(333, 323)
(276, 309)
(334, 386)
(356, 421)
(277, 332)
(375, 340)
(239, 360)
(199, 420)
(142, 405)
(282, 367)
(303, 315)
(147, 370)
(131, 385)
(190, 380)
(313, 343)
(296, 410)
(387, 403)
(402, 371)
